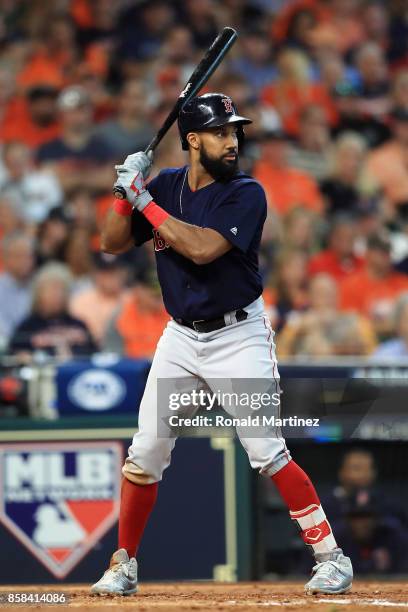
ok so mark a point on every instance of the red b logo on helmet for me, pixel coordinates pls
(228, 105)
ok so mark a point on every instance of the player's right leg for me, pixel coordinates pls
(253, 368)
(148, 457)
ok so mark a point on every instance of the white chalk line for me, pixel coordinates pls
(366, 602)
(302, 602)
(234, 604)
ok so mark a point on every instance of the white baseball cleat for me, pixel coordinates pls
(120, 578)
(332, 574)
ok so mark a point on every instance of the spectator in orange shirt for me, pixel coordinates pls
(140, 322)
(294, 90)
(388, 164)
(81, 12)
(373, 290)
(285, 187)
(96, 304)
(54, 51)
(339, 259)
(41, 69)
(33, 119)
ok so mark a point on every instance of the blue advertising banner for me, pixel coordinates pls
(101, 386)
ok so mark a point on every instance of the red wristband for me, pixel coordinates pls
(154, 214)
(122, 207)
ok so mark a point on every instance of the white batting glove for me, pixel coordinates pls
(131, 176)
(134, 185)
(139, 162)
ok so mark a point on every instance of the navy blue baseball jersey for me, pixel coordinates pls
(237, 210)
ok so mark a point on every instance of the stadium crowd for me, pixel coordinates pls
(83, 83)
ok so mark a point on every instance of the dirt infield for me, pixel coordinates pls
(209, 596)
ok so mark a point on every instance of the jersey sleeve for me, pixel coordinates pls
(240, 216)
(142, 230)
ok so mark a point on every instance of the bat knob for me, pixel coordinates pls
(119, 192)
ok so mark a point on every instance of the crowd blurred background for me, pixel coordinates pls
(83, 83)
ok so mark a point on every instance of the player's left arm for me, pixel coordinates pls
(200, 244)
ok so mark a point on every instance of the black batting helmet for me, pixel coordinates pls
(208, 111)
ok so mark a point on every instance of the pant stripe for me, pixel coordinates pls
(275, 375)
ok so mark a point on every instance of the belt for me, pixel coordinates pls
(204, 327)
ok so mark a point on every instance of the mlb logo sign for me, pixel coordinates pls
(59, 499)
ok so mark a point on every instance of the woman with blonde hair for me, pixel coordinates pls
(49, 328)
(348, 189)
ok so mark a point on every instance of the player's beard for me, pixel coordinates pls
(219, 168)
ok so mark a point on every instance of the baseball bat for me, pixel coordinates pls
(207, 66)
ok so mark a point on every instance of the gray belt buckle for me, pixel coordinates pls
(230, 318)
(198, 321)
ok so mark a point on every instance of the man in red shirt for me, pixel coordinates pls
(339, 259)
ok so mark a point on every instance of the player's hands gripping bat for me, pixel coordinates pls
(132, 175)
(200, 76)
(139, 162)
(132, 181)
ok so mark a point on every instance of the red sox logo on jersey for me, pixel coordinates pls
(228, 105)
(159, 243)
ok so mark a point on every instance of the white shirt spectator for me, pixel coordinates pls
(15, 302)
(15, 285)
(35, 194)
(390, 350)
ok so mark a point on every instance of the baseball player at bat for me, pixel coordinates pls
(206, 221)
